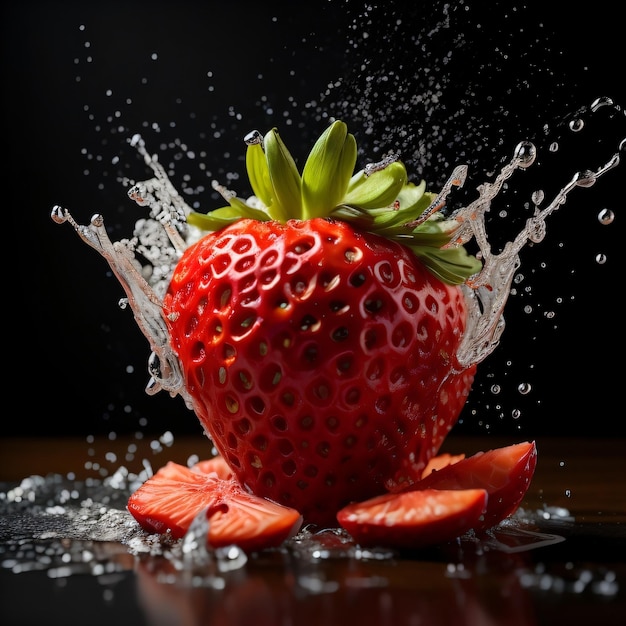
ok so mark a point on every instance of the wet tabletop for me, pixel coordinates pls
(71, 554)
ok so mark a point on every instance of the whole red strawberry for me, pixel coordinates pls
(317, 327)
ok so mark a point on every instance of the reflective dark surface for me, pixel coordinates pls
(560, 560)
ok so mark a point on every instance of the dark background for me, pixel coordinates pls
(442, 84)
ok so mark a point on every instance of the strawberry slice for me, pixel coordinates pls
(440, 461)
(414, 519)
(216, 465)
(505, 473)
(171, 499)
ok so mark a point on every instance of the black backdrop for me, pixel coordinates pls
(442, 83)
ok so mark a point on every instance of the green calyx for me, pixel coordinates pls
(378, 199)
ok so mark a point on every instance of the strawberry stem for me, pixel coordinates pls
(378, 198)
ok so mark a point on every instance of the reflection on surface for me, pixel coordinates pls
(315, 578)
(285, 588)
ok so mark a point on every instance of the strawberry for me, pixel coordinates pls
(317, 326)
(414, 519)
(440, 461)
(455, 495)
(170, 500)
(216, 466)
(505, 473)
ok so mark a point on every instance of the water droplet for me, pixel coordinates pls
(524, 388)
(495, 389)
(606, 216)
(252, 138)
(58, 215)
(537, 197)
(525, 154)
(600, 258)
(515, 414)
(576, 125)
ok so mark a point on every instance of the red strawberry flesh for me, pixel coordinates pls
(505, 473)
(171, 499)
(414, 519)
(440, 461)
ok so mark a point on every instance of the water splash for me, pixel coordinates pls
(158, 240)
(488, 291)
(201, 564)
(144, 264)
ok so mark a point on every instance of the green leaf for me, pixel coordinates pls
(414, 198)
(218, 218)
(389, 221)
(285, 179)
(357, 216)
(378, 190)
(211, 221)
(434, 232)
(327, 171)
(382, 202)
(259, 174)
(452, 265)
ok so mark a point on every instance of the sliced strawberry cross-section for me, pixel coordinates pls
(414, 519)
(505, 473)
(173, 497)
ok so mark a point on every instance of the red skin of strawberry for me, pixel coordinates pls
(414, 519)
(320, 359)
(505, 473)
